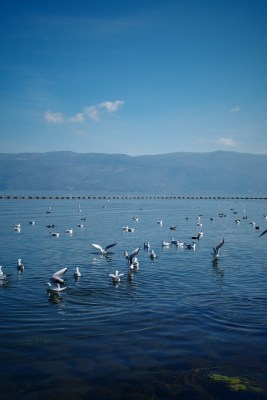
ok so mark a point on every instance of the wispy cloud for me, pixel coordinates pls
(226, 142)
(54, 117)
(77, 118)
(235, 109)
(110, 106)
(93, 112)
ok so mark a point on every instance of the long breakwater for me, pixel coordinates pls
(141, 197)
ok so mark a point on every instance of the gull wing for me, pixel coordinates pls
(98, 247)
(263, 233)
(109, 246)
(134, 253)
(57, 275)
(220, 245)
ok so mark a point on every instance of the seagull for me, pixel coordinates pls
(3, 277)
(20, 266)
(131, 257)
(77, 273)
(146, 245)
(102, 250)
(159, 222)
(134, 265)
(216, 249)
(69, 231)
(263, 233)
(17, 228)
(54, 234)
(55, 287)
(56, 280)
(190, 246)
(153, 255)
(197, 237)
(165, 244)
(116, 277)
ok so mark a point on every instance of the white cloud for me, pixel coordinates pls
(92, 112)
(111, 106)
(226, 142)
(54, 117)
(77, 118)
(235, 109)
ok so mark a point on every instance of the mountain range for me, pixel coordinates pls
(180, 173)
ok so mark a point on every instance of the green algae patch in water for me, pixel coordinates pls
(236, 383)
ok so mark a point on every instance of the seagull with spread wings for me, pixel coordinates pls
(216, 249)
(104, 250)
(55, 281)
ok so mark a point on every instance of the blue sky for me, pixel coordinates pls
(133, 77)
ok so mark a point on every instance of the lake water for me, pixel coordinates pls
(183, 327)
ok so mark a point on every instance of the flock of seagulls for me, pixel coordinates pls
(56, 283)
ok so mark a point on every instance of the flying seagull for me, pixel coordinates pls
(216, 249)
(263, 233)
(132, 255)
(102, 250)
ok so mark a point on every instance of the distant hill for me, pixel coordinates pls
(214, 173)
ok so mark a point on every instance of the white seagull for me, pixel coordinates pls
(190, 246)
(116, 277)
(3, 277)
(165, 244)
(56, 280)
(17, 228)
(54, 234)
(102, 250)
(153, 255)
(20, 266)
(55, 287)
(216, 249)
(77, 273)
(69, 231)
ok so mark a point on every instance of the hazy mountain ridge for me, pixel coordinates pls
(219, 172)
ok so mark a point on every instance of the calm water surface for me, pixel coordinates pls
(183, 326)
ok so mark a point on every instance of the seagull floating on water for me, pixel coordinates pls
(54, 234)
(17, 228)
(116, 277)
(77, 273)
(153, 255)
(190, 246)
(216, 249)
(69, 231)
(3, 277)
(146, 245)
(165, 244)
(20, 266)
(104, 250)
